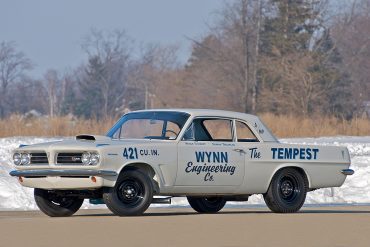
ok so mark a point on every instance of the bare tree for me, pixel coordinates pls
(152, 68)
(56, 89)
(351, 32)
(301, 89)
(30, 95)
(258, 20)
(12, 66)
(109, 57)
(234, 47)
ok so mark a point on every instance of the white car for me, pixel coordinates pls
(209, 156)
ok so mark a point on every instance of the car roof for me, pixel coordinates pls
(253, 120)
(207, 112)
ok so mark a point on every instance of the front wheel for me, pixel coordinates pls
(287, 191)
(55, 204)
(206, 204)
(131, 195)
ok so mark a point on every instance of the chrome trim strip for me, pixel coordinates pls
(348, 172)
(55, 173)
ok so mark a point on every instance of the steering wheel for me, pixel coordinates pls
(173, 132)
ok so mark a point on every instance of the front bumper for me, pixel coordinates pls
(64, 179)
(56, 173)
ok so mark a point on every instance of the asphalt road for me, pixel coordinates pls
(324, 226)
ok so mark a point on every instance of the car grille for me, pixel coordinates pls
(39, 158)
(69, 158)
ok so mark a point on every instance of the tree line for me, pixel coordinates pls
(298, 57)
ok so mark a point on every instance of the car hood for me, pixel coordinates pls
(82, 142)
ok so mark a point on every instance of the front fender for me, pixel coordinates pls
(152, 170)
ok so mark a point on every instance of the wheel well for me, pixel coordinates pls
(299, 169)
(147, 169)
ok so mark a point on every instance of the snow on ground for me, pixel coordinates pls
(12, 194)
(356, 189)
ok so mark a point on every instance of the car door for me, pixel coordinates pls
(209, 156)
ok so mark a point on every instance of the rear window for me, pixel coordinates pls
(244, 133)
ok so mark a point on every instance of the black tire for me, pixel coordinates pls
(287, 191)
(131, 195)
(55, 205)
(206, 204)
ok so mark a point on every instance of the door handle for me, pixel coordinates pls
(239, 150)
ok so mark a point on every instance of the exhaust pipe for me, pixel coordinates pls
(161, 200)
(348, 172)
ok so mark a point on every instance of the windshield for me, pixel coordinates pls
(163, 125)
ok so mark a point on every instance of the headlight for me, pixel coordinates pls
(85, 158)
(17, 159)
(94, 159)
(25, 159)
(90, 158)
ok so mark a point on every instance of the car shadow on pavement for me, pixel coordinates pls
(261, 212)
(236, 212)
(334, 211)
(177, 213)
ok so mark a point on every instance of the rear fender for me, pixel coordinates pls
(297, 166)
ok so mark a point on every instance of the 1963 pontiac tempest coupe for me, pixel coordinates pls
(209, 156)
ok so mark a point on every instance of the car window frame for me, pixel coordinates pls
(250, 128)
(232, 127)
(118, 126)
(234, 134)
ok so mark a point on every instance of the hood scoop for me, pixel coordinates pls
(86, 137)
(92, 138)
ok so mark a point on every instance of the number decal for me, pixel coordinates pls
(130, 153)
(125, 153)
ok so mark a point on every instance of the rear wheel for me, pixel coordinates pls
(206, 204)
(55, 204)
(131, 195)
(287, 191)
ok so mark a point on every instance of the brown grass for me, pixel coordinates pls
(57, 126)
(292, 126)
(281, 126)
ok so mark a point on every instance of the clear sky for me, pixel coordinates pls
(50, 32)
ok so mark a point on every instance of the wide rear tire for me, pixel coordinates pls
(54, 204)
(131, 195)
(287, 191)
(206, 204)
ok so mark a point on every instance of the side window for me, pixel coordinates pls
(209, 130)
(244, 133)
(219, 129)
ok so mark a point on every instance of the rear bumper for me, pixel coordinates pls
(348, 172)
(56, 173)
(64, 179)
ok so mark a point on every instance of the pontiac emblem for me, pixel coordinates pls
(75, 159)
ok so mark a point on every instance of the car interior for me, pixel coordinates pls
(218, 130)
